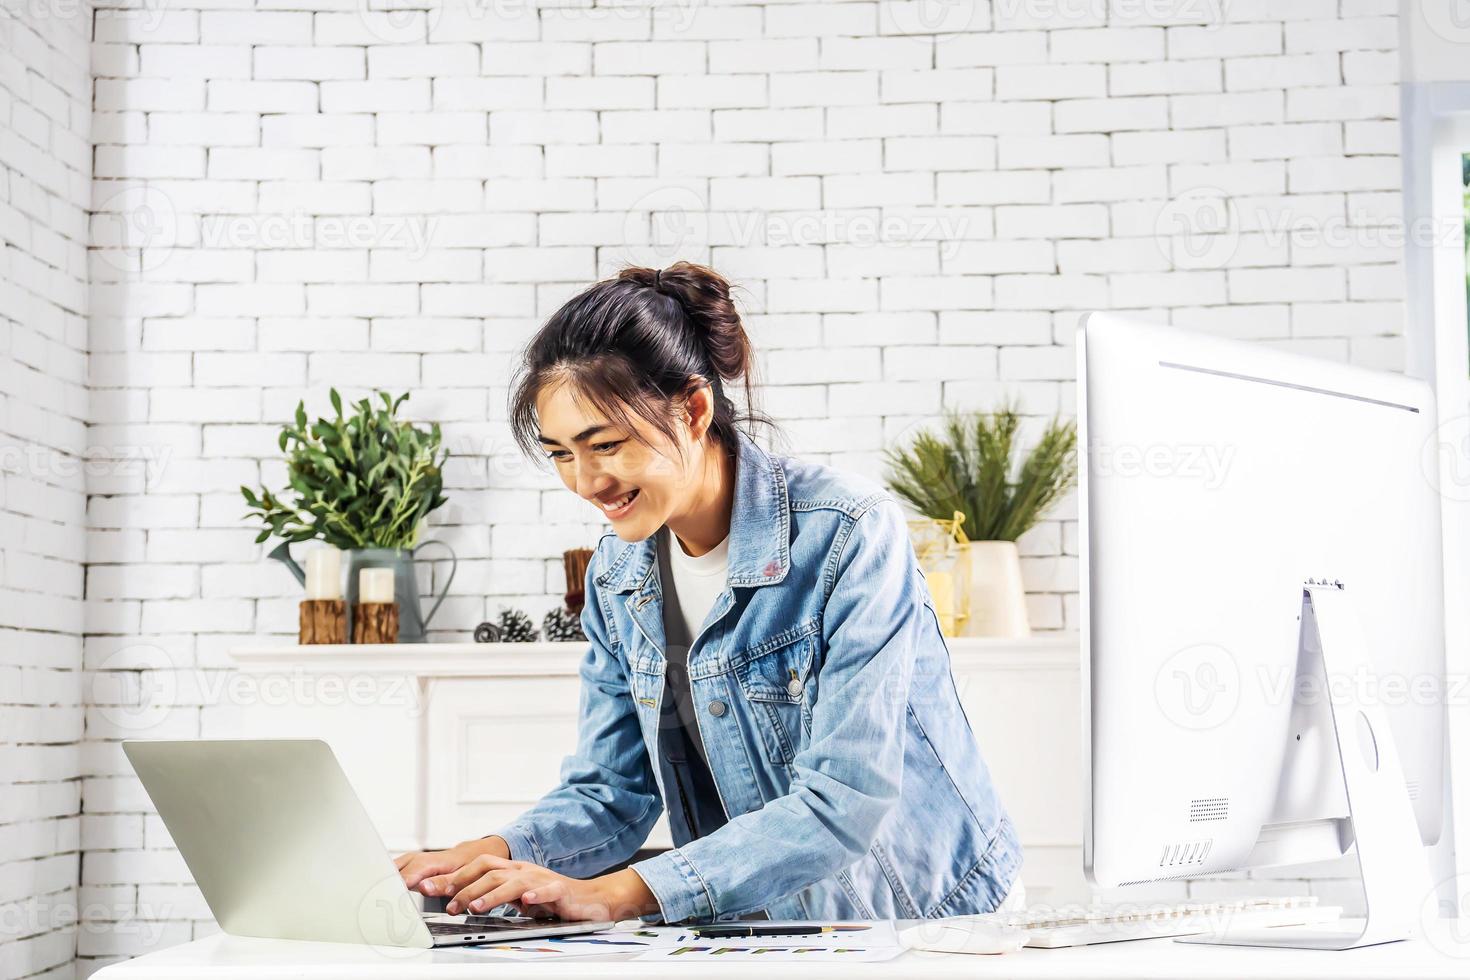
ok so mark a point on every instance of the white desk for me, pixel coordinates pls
(1445, 953)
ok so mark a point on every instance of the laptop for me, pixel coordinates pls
(282, 848)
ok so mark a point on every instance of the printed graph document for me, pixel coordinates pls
(865, 942)
(752, 952)
(858, 942)
(635, 939)
(536, 950)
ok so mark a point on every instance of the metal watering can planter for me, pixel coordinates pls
(412, 622)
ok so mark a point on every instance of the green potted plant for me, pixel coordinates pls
(973, 466)
(362, 482)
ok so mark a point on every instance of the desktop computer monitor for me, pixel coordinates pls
(1220, 478)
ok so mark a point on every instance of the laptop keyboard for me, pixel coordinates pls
(481, 923)
(450, 928)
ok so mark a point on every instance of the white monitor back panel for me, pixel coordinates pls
(1219, 478)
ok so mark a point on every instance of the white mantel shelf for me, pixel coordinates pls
(1043, 651)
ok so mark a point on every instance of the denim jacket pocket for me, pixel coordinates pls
(776, 684)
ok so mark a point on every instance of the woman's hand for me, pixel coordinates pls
(415, 866)
(490, 880)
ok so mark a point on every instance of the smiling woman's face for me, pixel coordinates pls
(637, 483)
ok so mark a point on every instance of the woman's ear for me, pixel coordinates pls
(699, 410)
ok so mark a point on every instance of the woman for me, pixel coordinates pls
(764, 659)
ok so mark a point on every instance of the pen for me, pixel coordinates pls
(742, 932)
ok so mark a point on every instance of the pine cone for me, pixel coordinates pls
(516, 627)
(562, 626)
(487, 633)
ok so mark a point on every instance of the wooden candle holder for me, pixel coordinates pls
(575, 562)
(324, 621)
(375, 622)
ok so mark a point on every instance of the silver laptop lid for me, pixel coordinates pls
(277, 840)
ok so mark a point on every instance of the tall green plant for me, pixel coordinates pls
(972, 465)
(364, 480)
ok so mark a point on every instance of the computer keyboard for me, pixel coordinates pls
(480, 923)
(1049, 928)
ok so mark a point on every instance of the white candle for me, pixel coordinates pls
(375, 585)
(324, 573)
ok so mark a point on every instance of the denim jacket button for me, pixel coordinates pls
(794, 688)
(717, 708)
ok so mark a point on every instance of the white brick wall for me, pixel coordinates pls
(45, 186)
(916, 210)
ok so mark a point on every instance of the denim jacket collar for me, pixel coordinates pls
(760, 529)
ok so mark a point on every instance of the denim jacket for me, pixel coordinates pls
(851, 778)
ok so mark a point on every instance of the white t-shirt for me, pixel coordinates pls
(697, 583)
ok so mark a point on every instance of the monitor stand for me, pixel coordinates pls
(1394, 868)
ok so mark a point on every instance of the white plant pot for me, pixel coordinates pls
(997, 594)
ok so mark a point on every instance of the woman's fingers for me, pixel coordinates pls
(484, 895)
(448, 884)
(537, 911)
(413, 866)
(545, 894)
(451, 886)
(480, 895)
(450, 880)
(420, 867)
(496, 861)
(441, 881)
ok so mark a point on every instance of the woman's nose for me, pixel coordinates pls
(590, 480)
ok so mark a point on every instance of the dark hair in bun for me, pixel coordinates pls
(634, 343)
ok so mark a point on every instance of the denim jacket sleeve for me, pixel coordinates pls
(847, 778)
(607, 801)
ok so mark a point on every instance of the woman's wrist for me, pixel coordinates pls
(626, 895)
(483, 845)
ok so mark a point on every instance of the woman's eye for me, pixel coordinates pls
(559, 455)
(607, 447)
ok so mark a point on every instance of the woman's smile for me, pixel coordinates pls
(618, 507)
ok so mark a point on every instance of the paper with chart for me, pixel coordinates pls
(533, 950)
(871, 942)
(867, 942)
(633, 940)
(754, 951)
